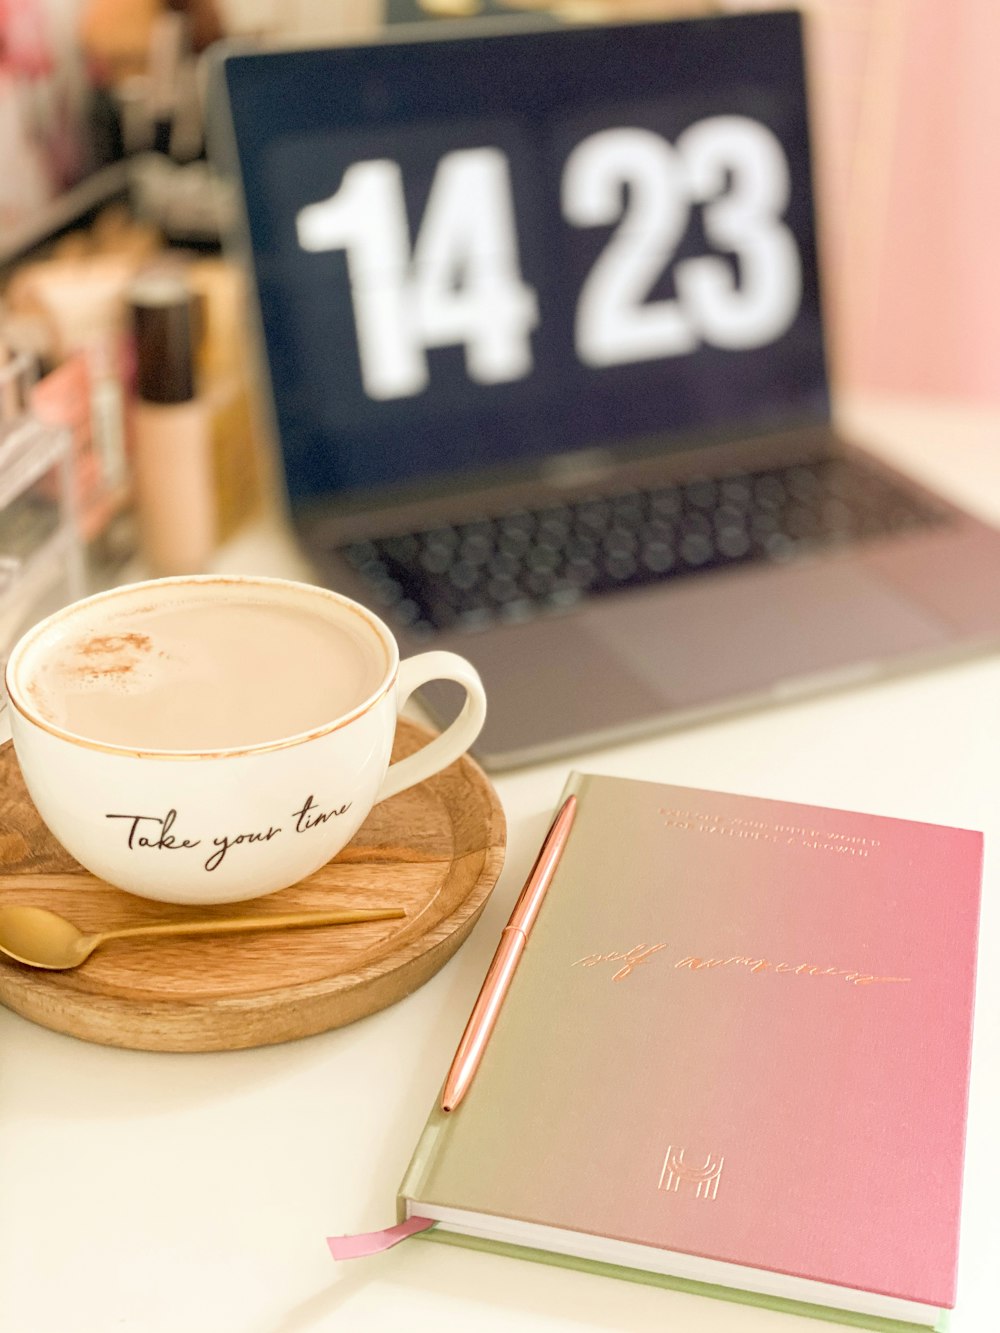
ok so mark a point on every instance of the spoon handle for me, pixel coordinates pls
(233, 925)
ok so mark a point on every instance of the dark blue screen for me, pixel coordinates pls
(594, 171)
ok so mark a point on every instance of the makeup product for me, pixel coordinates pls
(72, 306)
(501, 971)
(84, 397)
(172, 435)
(62, 400)
(224, 380)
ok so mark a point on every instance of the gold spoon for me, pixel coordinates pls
(41, 938)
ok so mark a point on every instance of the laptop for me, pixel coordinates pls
(543, 332)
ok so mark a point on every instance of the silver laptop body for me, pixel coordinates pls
(551, 296)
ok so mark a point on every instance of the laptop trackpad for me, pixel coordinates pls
(546, 681)
(711, 639)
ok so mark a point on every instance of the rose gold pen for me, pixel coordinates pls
(505, 960)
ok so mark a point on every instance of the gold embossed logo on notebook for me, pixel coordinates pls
(678, 1174)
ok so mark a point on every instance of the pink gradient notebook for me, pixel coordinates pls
(734, 1059)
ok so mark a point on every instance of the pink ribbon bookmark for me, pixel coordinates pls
(374, 1242)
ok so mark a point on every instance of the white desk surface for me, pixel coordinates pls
(192, 1194)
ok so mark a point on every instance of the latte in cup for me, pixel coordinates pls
(189, 672)
(208, 739)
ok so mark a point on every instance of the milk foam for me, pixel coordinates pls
(203, 672)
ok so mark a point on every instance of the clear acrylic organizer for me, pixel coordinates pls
(41, 555)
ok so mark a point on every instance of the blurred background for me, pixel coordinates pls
(111, 223)
(906, 102)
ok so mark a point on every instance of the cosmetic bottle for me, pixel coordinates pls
(223, 369)
(171, 430)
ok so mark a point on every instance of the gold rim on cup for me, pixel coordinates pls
(31, 637)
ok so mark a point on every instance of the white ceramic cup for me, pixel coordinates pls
(193, 804)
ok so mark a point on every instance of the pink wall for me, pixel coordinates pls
(913, 232)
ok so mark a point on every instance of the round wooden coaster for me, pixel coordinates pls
(435, 850)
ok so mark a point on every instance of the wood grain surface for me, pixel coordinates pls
(435, 850)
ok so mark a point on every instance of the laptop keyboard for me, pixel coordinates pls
(517, 565)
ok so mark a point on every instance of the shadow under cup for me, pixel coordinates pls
(207, 739)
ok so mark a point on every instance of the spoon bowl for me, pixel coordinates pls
(40, 938)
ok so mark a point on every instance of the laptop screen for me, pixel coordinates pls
(488, 249)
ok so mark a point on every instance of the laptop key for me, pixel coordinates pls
(621, 565)
(733, 542)
(695, 549)
(463, 575)
(658, 557)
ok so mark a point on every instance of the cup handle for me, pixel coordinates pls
(455, 739)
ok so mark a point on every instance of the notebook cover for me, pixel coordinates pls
(741, 1030)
